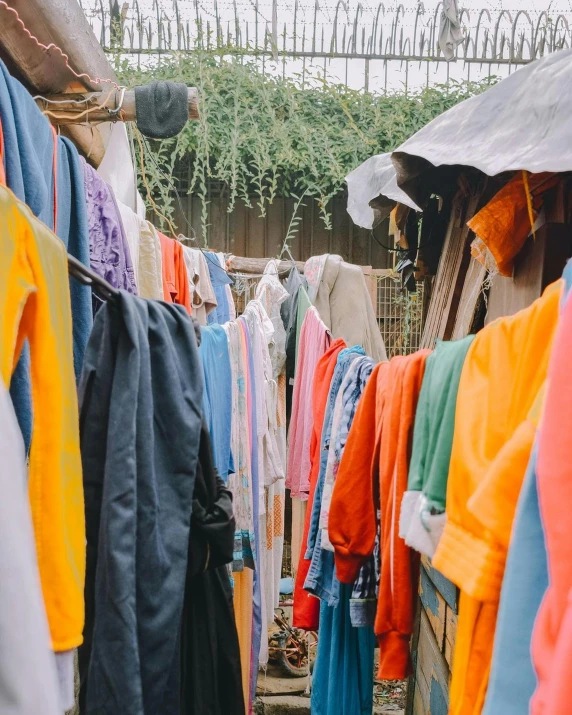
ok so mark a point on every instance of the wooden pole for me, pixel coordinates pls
(237, 264)
(95, 107)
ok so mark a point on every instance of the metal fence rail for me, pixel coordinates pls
(289, 31)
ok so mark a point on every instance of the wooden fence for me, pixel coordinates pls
(245, 232)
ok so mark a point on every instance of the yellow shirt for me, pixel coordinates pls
(35, 305)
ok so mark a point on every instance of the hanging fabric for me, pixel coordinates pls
(505, 368)
(139, 484)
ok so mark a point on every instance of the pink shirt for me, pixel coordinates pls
(552, 636)
(315, 339)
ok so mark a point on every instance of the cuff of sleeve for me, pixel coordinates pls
(394, 656)
(347, 567)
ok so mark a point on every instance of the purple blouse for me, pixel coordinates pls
(109, 251)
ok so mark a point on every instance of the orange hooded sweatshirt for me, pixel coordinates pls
(552, 636)
(306, 612)
(385, 419)
(498, 407)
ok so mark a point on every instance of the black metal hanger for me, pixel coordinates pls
(87, 277)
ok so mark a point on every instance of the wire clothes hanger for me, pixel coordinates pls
(87, 277)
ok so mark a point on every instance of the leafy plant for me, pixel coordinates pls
(260, 135)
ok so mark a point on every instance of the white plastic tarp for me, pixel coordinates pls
(374, 180)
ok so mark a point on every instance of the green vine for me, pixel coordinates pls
(260, 136)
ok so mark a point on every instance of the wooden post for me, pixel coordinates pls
(106, 106)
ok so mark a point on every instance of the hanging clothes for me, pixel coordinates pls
(344, 304)
(110, 256)
(289, 313)
(306, 608)
(203, 298)
(72, 228)
(36, 306)
(343, 672)
(117, 169)
(28, 679)
(210, 657)
(320, 580)
(271, 295)
(552, 636)
(150, 281)
(315, 340)
(512, 679)
(423, 506)
(384, 418)
(175, 276)
(132, 226)
(502, 378)
(240, 483)
(308, 350)
(139, 482)
(313, 271)
(258, 617)
(43, 169)
(342, 681)
(217, 396)
(268, 458)
(349, 394)
(221, 283)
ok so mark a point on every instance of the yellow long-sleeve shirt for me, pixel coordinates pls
(498, 407)
(35, 305)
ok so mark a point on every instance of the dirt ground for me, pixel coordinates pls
(389, 695)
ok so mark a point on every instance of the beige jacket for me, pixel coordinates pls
(344, 305)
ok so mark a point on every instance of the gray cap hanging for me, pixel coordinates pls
(162, 109)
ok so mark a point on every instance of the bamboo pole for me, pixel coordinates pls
(238, 264)
(95, 107)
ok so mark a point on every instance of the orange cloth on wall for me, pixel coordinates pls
(498, 407)
(175, 277)
(35, 305)
(384, 418)
(503, 225)
(306, 612)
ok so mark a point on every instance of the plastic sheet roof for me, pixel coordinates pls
(521, 123)
(374, 181)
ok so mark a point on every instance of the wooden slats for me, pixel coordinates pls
(448, 288)
(433, 673)
(244, 232)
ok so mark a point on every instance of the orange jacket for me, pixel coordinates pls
(356, 493)
(306, 611)
(35, 304)
(385, 419)
(175, 277)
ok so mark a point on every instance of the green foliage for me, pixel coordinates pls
(262, 135)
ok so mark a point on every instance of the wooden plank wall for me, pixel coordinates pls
(434, 643)
(245, 233)
(448, 287)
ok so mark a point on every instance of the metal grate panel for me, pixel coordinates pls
(399, 316)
